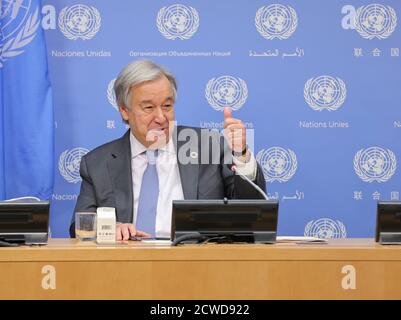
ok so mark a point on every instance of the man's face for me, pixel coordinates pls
(151, 112)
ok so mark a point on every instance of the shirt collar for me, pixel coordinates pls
(137, 148)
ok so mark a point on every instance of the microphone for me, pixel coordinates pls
(234, 169)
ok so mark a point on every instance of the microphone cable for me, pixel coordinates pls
(189, 236)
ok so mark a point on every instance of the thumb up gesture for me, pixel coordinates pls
(234, 132)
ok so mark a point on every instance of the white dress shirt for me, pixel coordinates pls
(170, 187)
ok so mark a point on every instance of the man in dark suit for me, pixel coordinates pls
(156, 161)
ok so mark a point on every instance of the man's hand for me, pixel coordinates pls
(234, 132)
(126, 230)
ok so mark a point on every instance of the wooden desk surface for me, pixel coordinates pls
(70, 269)
(73, 250)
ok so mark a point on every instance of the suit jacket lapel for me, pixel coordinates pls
(188, 171)
(119, 165)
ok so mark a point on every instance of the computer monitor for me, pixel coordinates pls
(388, 224)
(253, 221)
(24, 222)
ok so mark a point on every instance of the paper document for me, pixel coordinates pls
(162, 241)
(298, 239)
(156, 241)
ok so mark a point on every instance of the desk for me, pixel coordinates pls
(69, 269)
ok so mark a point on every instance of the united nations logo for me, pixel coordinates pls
(79, 22)
(325, 228)
(226, 91)
(375, 21)
(278, 164)
(69, 163)
(177, 21)
(111, 96)
(325, 93)
(375, 164)
(18, 26)
(276, 21)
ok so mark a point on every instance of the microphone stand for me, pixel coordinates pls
(234, 169)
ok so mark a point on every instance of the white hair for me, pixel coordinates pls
(138, 72)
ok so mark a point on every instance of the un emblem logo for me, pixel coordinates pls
(111, 96)
(226, 91)
(375, 164)
(177, 21)
(325, 228)
(325, 93)
(79, 22)
(278, 164)
(69, 163)
(375, 21)
(18, 27)
(276, 21)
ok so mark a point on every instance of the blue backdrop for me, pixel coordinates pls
(317, 83)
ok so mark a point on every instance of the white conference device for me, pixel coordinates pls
(106, 225)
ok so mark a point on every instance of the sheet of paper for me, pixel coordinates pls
(157, 241)
(300, 239)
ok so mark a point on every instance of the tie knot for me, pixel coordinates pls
(151, 155)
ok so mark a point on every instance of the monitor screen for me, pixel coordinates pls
(388, 225)
(26, 222)
(219, 217)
